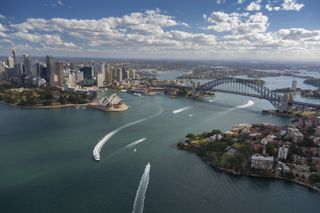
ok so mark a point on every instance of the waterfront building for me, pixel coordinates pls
(294, 85)
(283, 152)
(258, 161)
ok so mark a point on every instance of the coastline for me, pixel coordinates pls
(50, 106)
(233, 172)
(91, 105)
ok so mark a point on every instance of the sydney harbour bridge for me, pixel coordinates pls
(246, 87)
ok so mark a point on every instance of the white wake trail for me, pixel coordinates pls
(180, 110)
(97, 148)
(141, 192)
(250, 103)
(135, 143)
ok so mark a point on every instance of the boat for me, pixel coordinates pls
(134, 150)
(136, 94)
(97, 157)
(123, 90)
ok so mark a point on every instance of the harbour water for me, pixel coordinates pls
(47, 166)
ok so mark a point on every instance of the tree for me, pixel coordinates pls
(191, 136)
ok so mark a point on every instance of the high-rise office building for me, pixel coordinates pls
(119, 74)
(59, 71)
(10, 62)
(14, 55)
(27, 65)
(87, 75)
(50, 67)
(132, 74)
(108, 74)
(294, 85)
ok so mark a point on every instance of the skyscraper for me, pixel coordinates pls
(87, 75)
(119, 74)
(59, 71)
(27, 65)
(10, 62)
(294, 85)
(50, 67)
(14, 55)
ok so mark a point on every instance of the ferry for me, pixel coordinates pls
(137, 94)
(97, 157)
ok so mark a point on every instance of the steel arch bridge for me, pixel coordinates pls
(244, 87)
(248, 87)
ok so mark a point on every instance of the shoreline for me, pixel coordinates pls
(91, 105)
(233, 172)
(50, 106)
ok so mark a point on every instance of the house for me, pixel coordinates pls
(316, 162)
(299, 159)
(258, 161)
(231, 150)
(295, 135)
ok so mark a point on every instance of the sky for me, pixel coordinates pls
(287, 30)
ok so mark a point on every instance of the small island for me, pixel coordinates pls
(263, 150)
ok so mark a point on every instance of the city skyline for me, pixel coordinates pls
(282, 30)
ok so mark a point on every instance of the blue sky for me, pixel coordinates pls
(200, 29)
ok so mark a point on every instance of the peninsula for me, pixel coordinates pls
(263, 150)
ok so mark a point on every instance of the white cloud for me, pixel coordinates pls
(221, 1)
(150, 29)
(154, 34)
(241, 1)
(60, 3)
(292, 5)
(254, 6)
(269, 7)
(238, 22)
(43, 39)
(3, 30)
(2, 16)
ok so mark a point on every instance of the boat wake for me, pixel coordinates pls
(97, 148)
(180, 110)
(250, 103)
(135, 143)
(141, 192)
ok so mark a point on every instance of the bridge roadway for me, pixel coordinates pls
(260, 96)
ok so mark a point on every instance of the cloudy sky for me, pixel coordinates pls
(166, 29)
